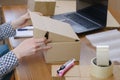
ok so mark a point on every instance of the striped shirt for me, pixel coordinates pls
(9, 61)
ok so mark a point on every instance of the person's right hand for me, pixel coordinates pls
(31, 46)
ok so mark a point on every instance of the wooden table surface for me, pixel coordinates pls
(34, 67)
(82, 72)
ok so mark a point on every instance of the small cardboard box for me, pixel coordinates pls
(113, 17)
(65, 43)
(46, 7)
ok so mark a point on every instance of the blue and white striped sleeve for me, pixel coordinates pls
(6, 31)
(8, 62)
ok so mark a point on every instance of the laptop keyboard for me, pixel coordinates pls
(82, 21)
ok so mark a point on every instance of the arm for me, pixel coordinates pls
(28, 47)
(7, 63)
(6, 31)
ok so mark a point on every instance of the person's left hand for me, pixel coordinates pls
(22, 21)
(31, 46)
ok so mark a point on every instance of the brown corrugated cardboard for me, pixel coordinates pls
(65, 43)
(46, 7)
(63, 51)
(114, 13)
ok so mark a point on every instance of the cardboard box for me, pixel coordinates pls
(65, 43)
(46, 7)
(113, 18)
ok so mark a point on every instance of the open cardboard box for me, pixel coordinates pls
(113, 17)
(65, 43)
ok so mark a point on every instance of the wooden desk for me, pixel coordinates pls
(83, 73)
(12, 12)
(34, 67)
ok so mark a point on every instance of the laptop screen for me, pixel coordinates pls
(90, 15)
(95, 10)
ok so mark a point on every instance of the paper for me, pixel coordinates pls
(15, 42)
(110, 38)
(104, 37)
(24, 32)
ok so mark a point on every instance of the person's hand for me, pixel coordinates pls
(31, 46)
(22, 21)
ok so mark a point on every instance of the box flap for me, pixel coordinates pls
(54, 26)
(111, 21)
(38, 33)
(60, 38)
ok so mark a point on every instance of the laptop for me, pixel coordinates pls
(90, 15)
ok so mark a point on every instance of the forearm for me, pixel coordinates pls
(8, 62)
(6, 30)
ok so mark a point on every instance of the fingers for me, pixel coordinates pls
(42, 44)
(44, 48)
(26, 16)
(39, 40)
(38, 13)
(43, 40)
(47, 41)
(35, 12)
